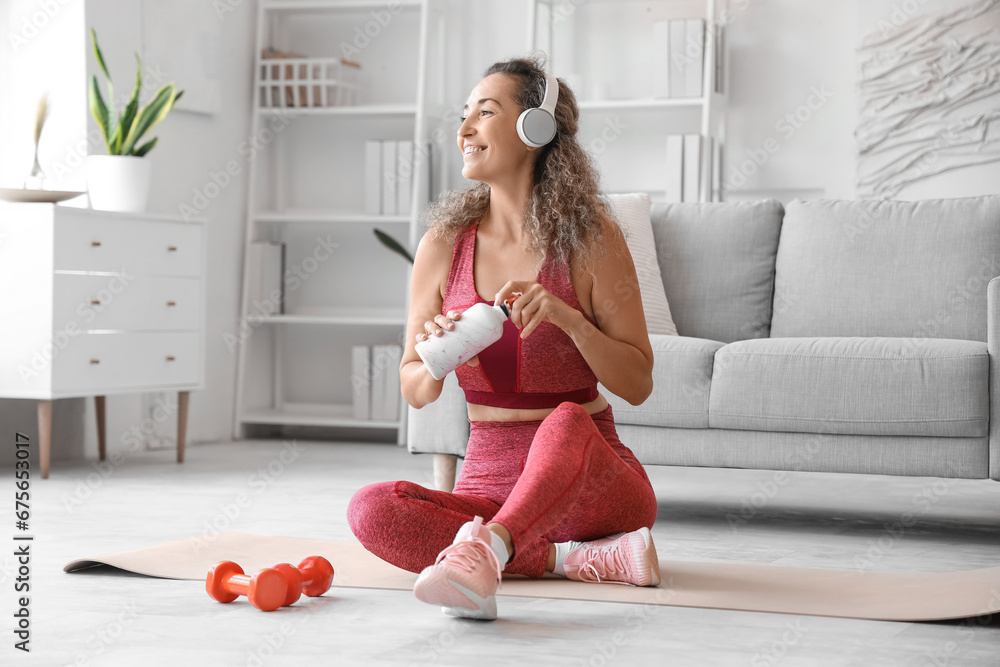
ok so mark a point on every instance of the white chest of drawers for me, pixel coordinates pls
(99, 303)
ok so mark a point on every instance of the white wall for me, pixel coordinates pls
(31, 35)
(792, 105)
(482, 32)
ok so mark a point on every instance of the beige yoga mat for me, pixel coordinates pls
(739, 586)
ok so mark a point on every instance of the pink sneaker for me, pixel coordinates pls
(465, 576)
(624, 558)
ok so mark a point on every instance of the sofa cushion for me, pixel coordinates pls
(682, 375)
(860, 386)
(885, 268)
(717, 261)
(632, 211)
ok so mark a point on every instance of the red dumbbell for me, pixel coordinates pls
(226, 581)
(313, 576)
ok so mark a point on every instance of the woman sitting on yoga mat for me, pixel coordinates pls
(546, 484)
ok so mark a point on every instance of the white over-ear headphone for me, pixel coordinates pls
(537, 126)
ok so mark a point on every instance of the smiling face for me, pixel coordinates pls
(491, 149)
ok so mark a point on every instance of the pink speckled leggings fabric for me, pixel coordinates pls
(566, 477)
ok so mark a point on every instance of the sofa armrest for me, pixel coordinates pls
(441, 427)
(993, 347)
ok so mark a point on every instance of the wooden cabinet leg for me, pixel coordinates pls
(45, 434)
(101, 432)
(182, 420)
(444, 471)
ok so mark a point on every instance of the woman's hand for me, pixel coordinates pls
(533, 304)
(439, 325)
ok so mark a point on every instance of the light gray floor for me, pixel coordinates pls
(817, 520)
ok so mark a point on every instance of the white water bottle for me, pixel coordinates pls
(480, 326)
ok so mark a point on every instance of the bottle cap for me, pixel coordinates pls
(504, 308)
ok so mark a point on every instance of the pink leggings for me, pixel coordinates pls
(566, 477)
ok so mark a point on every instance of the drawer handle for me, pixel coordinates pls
(170, 358)
(171, 248)
(95, 361)
(171, 303)
(95, 302)
(95, 243)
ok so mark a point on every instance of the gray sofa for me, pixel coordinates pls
(833, 336)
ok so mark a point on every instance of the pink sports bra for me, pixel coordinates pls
(540, 371)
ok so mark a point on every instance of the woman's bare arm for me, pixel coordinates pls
(617, 349)
(431, 264)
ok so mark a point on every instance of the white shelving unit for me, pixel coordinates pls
(621, 63)
(307, 191)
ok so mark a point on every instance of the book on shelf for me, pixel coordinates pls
(716, 194)
(375, 386)
(678, 77)
(694, 50)
(385, 387)
(255, 260)
(678, 55)
(266, 293)
(427, 169)
(393, 391)
(685, 154)
(361, 381)
(661, 59)
(675, 168)
(388, 178)
(720, 50)
(692, 167)
(390, 172)
(404, 176)
(373, 167)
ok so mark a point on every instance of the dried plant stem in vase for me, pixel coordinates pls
(37, 177)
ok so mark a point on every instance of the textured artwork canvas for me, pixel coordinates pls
(929, 92)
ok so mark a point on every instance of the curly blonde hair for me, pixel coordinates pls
(565, 214)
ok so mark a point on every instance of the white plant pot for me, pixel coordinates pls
(119, 182)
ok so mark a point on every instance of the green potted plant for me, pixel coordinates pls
(120, 180)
